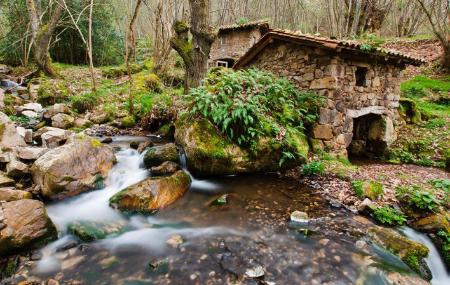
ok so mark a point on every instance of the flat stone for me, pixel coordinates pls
(31, 153)
(30, 114)
(11, 194)
(55, 109)
(35, 107)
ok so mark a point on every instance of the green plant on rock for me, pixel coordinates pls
(370, 189)
(51, 92)
(389, 216)
(249, 104)
(445, 237)
(314, 168)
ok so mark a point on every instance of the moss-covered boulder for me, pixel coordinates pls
(152, 194)
(73, 168)
(157, 155)
(210, 153)
(26, 226)
(88, 231)
(433, 223)
(411, 252)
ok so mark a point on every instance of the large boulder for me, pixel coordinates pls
(152, 194)
(72, 168)
(157, 155)
(54, 110)
(9, 137)
(25, 225)
(209, 153)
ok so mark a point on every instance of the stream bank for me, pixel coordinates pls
(224, 230)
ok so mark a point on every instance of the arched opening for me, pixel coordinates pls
(369, 137)
(225, 62)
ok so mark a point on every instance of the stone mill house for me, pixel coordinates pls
(361, 87)
(234, 41)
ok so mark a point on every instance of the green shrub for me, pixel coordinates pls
(314, 168)
(84, 102)
(417, 146)
(445, 237)
(51, 92)
(153, 83)
(128, 122)
(424, 200)
(20, 119)
(415, 196)
(389, 216)
(443, 184)
(401, 156)
(248, 104)
(435, 123)
(121, 70)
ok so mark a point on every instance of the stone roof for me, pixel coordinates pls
(351, 48)
(262, 24)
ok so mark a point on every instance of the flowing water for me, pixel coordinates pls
(197, 241)
(440, 274)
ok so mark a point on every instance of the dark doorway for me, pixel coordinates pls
(368, 133)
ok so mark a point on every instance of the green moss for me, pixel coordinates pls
(96, 143)
(128, 122)
(52, 91)
(2, 130)
(91, 231)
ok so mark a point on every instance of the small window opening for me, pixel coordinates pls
(221, 63)
(360, 74)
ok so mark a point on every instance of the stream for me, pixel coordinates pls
(247, 240)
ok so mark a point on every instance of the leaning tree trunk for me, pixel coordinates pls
(194, 53)
(42, 35)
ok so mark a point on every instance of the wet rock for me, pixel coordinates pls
(157, 155)
(91, 231)
(134, 145)
(144, 145)
(159, 266)
(175, 241)
(107, 140)
(27, 226)
(17, 169)
(167, 168)
(219, 201)
(152, 194)
(5, 181)
(11, 194)
(31, 153)
(9, 137)
(72, 168)
(432, 223)
(410, 252)
(255, 272)
(62, 121)
(209, 153)
(299, 217)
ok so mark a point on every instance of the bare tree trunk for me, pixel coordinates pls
(42, 35)
(163, 33)
(87, 42)
(130, 53)
(91, 60)
(195, 54)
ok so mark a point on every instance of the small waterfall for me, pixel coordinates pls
(437, 266)
(197, 185)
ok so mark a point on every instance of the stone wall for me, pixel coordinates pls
(233, 44)
(333, 77)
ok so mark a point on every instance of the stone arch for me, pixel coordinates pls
(373, 131)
